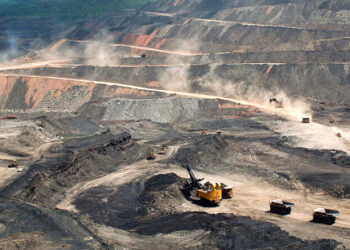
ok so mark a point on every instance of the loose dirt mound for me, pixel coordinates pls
(271, 159)
(327, 170)
(163, 110)
(204, 152)
(162, 195)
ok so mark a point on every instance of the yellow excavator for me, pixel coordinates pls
(209, 193)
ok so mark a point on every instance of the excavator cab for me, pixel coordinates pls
(212, 193)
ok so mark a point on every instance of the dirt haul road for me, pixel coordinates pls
(250, 199)
(172, 52)
(64, 65)
(223, 21)
(33, 64)
(285, 112)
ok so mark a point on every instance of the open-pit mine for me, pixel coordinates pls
(122, 131)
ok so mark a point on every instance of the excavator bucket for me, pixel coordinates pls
(227, 192)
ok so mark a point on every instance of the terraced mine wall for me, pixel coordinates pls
(269, 11)
(225, 36)
(273, 51)
(334, 51)
(107, 103)
(322, 82)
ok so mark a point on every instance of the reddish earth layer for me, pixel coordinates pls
(32, 91)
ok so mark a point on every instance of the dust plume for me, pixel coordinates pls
(251, 89)
(313, 135)
(99, 52)
(12, 50)
(176, 77)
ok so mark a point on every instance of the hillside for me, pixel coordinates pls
(65, 9)
(112, 108)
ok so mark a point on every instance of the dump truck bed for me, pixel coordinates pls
(282, 203)
(281, 207)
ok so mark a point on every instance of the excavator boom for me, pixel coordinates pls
(209, 193)
(194, 181)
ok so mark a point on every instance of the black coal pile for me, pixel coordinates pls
(204, 152)
(81, 159)
(162, 195)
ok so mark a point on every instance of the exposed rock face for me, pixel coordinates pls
(166, 110)
(36, 94)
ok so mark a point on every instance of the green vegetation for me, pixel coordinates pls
(66, 9)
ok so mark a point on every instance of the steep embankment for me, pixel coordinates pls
(56, 95)
(317, 81)
(201, 46)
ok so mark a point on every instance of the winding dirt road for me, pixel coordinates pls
(172, 52)
(251, 199)
(310, 134)
(223, 21)
(286, 112)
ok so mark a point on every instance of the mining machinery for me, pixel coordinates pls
(325, 215)
(281, 207)
(208, 192)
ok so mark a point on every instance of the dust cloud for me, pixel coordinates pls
(99, 52)
(12, 50)
(178, 78)
(313, 135)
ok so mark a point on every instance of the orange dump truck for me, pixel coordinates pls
(8, 117)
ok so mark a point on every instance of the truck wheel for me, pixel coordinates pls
(316, 219)
(328, 221)
(289, 210)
